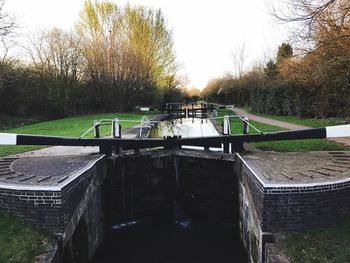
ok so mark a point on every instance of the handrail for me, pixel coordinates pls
(239, 117)
(145, 119)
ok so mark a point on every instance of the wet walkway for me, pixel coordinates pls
(286, 125)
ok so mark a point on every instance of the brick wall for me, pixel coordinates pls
(293, 206)
(47, 207)
(40, 207)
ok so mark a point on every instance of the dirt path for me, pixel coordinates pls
(282, 124)
(286, 125)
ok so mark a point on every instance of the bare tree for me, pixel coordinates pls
(238, 57)
(56, 54)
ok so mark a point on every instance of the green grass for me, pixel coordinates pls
(70, 127)
(325, 245)
(282, 146)
(20, 242)
(300, 146)
(311, 122)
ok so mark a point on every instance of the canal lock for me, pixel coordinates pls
(171, 206)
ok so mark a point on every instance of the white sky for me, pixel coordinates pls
(205, 32)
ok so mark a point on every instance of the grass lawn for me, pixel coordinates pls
(70, 127)
(282, 146)
(324, 245)
(20, 242)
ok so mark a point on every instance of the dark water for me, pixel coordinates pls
(172, 243)
(180, 242)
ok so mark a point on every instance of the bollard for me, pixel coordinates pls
(116, 128)
(226, 128)
(97, 128)
(246, 126)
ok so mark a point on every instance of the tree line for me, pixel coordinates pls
(114, 59)
(314, 82)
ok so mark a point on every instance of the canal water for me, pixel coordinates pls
(170, 243)
(180, 241)
(185, 128)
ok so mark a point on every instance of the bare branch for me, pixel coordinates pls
(7, 22)
(318, 20)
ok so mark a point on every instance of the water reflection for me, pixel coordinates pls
(185, 128)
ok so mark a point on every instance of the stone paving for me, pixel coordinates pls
(55, 165)
(44, 170)
(301, 167)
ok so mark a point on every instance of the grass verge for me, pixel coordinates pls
(282, 146)
(20, 242)
(70, 127)
(323, 245)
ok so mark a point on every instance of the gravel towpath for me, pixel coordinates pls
(286, 125)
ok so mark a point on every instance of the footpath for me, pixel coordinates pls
(286, 125)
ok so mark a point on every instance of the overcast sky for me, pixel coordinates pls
(205, 32)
